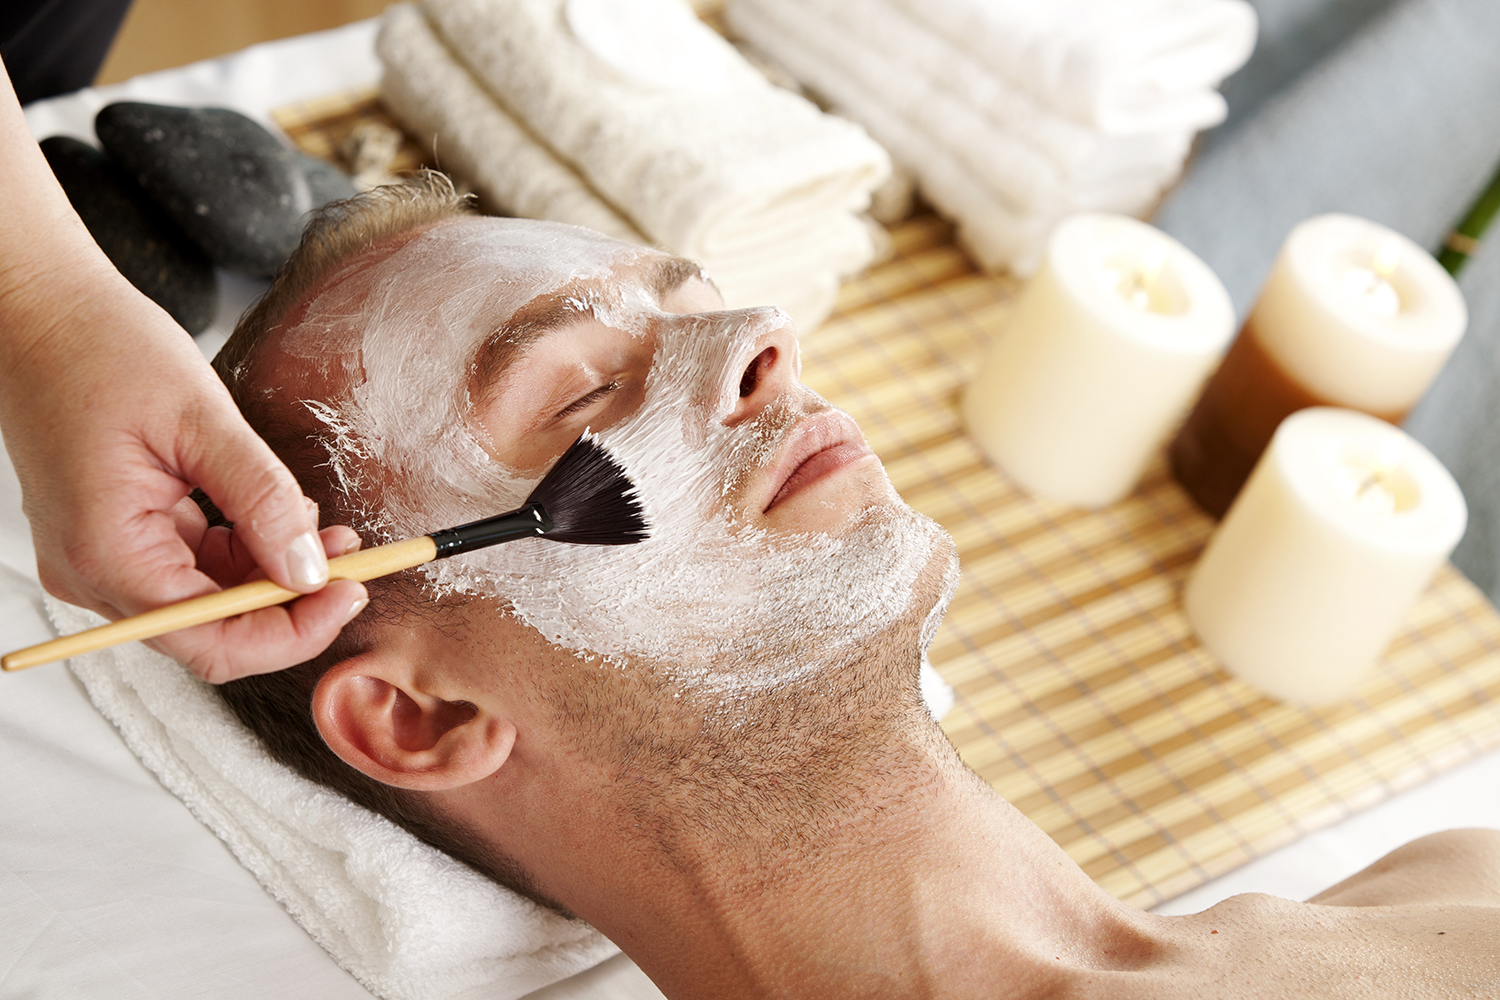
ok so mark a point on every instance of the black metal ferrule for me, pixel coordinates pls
(525, 522)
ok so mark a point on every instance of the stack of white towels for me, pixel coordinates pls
(635, 118)
(1013, 114)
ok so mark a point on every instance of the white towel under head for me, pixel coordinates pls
(406, 920)
(403, 918)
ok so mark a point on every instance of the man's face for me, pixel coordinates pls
(454, 367)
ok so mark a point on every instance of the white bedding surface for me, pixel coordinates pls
(109, 888)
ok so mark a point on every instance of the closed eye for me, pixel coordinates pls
(588, 399)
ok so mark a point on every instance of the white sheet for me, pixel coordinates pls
(110, 889)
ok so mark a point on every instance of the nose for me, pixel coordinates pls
(772, 365)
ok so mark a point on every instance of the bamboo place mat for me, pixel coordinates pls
(1083, 696)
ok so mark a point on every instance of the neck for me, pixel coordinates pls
(898, 872)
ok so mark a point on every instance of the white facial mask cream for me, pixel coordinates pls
(714, 600)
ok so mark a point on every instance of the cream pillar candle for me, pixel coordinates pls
(1338, 530)
(1353, 314)
(1106, 348)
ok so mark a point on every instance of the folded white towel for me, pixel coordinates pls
(473, 137)
(667, 121)
(1122, 66)
(1000, 159)
(404, 919)
(932, 66)
(880, 49)
(990, 228)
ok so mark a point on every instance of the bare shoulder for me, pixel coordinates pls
(1388, 935)
(1456, 866)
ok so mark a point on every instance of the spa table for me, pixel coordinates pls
(109, 888)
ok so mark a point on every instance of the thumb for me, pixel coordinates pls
(250, 485)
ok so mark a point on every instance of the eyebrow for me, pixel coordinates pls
(550, 312)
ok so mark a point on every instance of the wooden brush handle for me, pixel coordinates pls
(381, 560)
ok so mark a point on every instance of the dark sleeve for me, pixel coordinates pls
(54, 46)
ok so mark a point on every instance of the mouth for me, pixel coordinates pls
(820, 446)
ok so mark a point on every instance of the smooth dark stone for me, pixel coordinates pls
(238, 192)
(147, 247)
(327, 182)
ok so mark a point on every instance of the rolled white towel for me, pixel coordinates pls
(407, 921)
(472, 136)
(674, 127)
(1123, 66)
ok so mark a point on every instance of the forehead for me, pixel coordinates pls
(449, 285)
(508, 262)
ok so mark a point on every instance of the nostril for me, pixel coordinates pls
(756, 372)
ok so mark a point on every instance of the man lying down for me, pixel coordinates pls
(711, 745)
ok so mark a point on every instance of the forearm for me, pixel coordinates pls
(62, 303)
(50, 268)
(112, 417)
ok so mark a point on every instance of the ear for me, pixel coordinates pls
(375, 715)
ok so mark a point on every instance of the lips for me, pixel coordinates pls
(820, 446)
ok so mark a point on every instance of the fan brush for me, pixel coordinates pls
(585, 499)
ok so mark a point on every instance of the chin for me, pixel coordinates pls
(942, 578)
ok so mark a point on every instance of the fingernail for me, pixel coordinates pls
(355, 609)
(305, 562)
(353, 546)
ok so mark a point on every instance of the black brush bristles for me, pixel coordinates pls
(585, 499)
(589, 499)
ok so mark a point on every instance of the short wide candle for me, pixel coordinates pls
(1337, 532)
(1353, 314)
(1106, 348)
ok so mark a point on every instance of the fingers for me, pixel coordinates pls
(125, 567)
(272, 638)
(222, 556)
(249, 484)
(191, 525)
(269, 639)
(339, 540)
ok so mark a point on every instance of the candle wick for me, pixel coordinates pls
(1376, 494)
(1151, 267)
(1135, 288)
(1387, 257)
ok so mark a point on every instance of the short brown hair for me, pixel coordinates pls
(277, 706)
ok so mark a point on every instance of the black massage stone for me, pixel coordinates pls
(239, 193)
(327, 182)
(147, 247)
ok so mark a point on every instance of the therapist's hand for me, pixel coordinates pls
(109, 433)
(111, 417)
